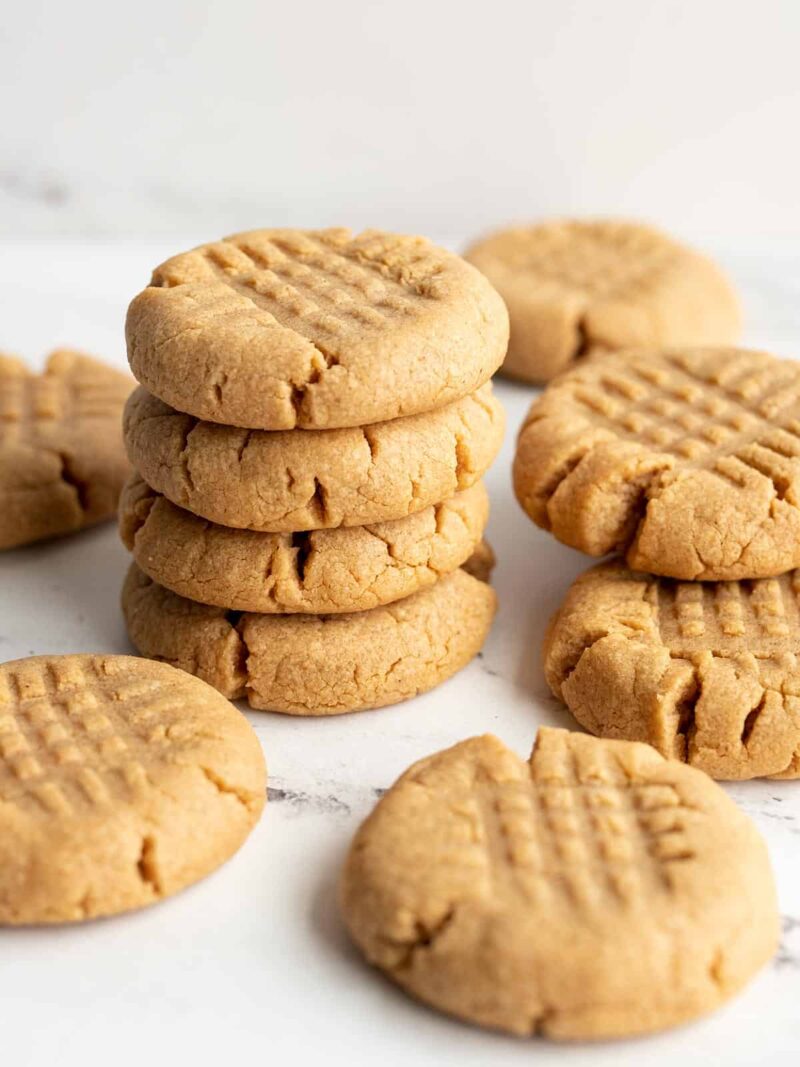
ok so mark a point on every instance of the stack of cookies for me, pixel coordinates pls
(314, 419)
(687, 463)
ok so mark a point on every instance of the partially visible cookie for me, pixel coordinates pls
(481, 563)
(315, 664)
(62, 462)
(316, 479)
(122, 781)
(685, 460)
(274, 329)
(705, 672)
(577, 287)
(347, 569)
(596, 891)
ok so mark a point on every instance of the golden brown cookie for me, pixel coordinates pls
(348, 569)
(315, 664)
(706, 672)
(296, 480)
(578, 287)
(62, 462)
(596, 891)
(122, 781)
(687, 461)
(274, 329)
(481, 563)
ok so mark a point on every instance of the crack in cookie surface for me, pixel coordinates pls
(706, 672)
(274, 329)
(475, 868)
(686, 460)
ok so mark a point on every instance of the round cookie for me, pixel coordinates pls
(284, 482)
(62, 462)
(347, 569)
(575, 288)
(122, 781)
(704, 672)
(315, 664)
(687, 461)
(597, 891)
(274, 329)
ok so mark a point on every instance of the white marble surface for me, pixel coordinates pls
(254, 961)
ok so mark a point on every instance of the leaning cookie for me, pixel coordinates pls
(315, 664)
(577, 287)
(123, 781)
(347, 569)
(596, 891)
(685, 460)
(62, 462)
(313, 479)
(276, 329)
(704, 672)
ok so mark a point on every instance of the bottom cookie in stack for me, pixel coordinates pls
(303, 664)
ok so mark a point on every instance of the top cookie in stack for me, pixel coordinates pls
(315, 420)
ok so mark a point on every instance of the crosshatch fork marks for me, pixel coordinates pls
(727, 617)
(34, 408)
(587, 834)
(749, 412)
(72, 738)
(312, 288)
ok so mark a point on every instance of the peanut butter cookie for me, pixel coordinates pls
(348, 569)
(315, 664)
(62, 462)
(285, 482)
(577, 287)
(686, 460)
(122, 781)
(597, 891)
(274, 329)
(706, 672)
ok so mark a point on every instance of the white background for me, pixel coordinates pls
(440, 116)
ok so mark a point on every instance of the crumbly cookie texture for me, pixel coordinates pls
(348, 569)
(575, 288)
(122, 782)
(705, 672)
(687, 461)
(285, 482)
(62, 462)
(274, 329)
(596, 891)
(315, 664)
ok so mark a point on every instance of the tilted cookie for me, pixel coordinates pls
(122, 781)
(274, 329)
(283, 482)
(687, 461)
(62, 462)
(315, 664)
(574, 288)
(705, 672)
(596, 891)
(348, 569)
